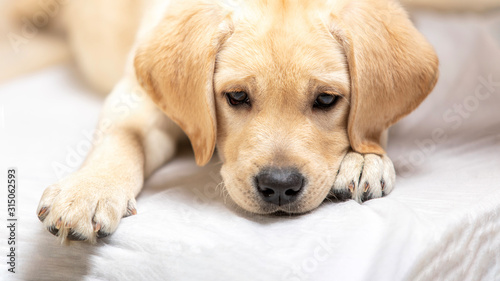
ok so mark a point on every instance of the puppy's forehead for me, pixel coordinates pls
(293, 45)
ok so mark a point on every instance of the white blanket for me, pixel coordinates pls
(442, 222)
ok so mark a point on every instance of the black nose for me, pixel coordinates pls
(279, 186)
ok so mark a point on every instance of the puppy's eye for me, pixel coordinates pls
(325, 101)
(237, 98)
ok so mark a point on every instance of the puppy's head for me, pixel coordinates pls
(285, 89)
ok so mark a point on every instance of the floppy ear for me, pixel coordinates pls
(391, 65)
(176, 65)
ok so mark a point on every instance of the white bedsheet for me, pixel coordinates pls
(442, 222)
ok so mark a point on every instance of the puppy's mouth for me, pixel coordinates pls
(295, 208)
(284, 213)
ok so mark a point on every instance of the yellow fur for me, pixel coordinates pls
(283, 54)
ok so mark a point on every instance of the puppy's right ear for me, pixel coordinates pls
(392, 68)
(176, 65)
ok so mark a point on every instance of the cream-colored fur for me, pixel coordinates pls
(183, 59)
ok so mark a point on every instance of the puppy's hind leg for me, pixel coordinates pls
(134, 138)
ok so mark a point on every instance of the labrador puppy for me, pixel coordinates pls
(297, 96)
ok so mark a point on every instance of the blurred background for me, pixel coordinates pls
(32, 32)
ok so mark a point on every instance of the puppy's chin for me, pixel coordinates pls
(257, 206)
(285, 210)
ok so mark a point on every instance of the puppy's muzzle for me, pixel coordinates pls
(279, 186)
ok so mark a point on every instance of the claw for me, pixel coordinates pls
(97, 227)
(367, 186)
(42, 214)
(351, 186)
(59, 223)
(131, 211)
(99, 232)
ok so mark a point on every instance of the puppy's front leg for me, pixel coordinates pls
(136, 138)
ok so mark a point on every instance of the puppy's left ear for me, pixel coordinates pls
(176, 66)
(392, 68)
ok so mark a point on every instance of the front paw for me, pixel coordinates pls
(363, 177)
(84, 208)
